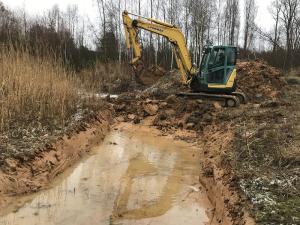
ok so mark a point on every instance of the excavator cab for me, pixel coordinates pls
(217, 72)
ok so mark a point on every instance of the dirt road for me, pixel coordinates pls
(134, 177)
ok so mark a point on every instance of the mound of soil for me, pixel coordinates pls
(259, 81)
(152, 74)
(168, 84)
(170, 112)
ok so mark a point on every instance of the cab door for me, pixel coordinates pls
(216, 67)
(231, 56)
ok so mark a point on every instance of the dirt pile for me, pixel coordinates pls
(172, 112)
(152, 74)
(259, 81)
(167, 85)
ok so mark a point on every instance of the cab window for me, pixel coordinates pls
(231, 56)
(217, 58)
(205, 58)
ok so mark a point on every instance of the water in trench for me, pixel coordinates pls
(134, 177)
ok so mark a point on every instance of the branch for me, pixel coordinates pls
(265, 35)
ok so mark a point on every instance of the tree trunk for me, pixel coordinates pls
(276, 31)
(119, 25)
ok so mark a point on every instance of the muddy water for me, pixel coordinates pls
(134, 177)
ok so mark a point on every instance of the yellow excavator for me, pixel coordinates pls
(216, 78)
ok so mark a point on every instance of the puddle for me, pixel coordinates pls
(85, 94)
(132, 178)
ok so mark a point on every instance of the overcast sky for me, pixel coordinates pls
(87, 7)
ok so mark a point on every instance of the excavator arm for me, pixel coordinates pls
(169, 31)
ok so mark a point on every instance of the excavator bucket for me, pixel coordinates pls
(147, 76)
(138, 68)
(151, 75)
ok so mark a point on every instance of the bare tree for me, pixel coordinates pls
(102, 14)
(81, 34)
(218, 21)
(289, 10)
(173, 12)
(72, 18)
(250, 14)
(230, 22)
(234, 18)
(275, 11)
(150, 34)
(119, 32)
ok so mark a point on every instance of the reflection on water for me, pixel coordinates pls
(133, 178)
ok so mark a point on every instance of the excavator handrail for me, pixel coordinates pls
(171, 32)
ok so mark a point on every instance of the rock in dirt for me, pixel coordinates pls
(189, 126)
(172, 99)
(120, 119)
(170, 113)
(208, 171)
(293, 80)
(136, 120)
(131, 116)
(217, 105)
(150, 108)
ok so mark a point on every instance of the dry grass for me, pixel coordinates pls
(40, 102)
(35, 90)
(294, 72)
(109, 77)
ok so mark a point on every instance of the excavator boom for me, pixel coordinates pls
(169, 31)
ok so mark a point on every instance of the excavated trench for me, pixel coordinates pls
(135, 176)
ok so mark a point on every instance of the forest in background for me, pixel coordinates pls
(65, 34)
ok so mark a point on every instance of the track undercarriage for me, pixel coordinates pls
(233, 99)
